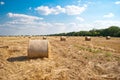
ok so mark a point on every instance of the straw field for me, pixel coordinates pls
(73, 59)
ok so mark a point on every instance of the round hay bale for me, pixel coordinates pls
(44, 37)
(38, 49)
(108, 37)
(62, 38)
(87, 38)
(29, 37)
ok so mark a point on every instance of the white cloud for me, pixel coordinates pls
(69, 9)
(117, 2)
(109, 15)
(58, 9)
(23, 16)
(42, 27)
(45, 10)
(21, 24)
(105, 23)
(25, 24)
(80, 18)
(2, 3)
(74, 10)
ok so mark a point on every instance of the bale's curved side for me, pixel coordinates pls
(62, 38)
(38, 48)
(108, 37)
(87, 38)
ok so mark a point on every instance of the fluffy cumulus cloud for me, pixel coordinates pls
(109, 15)
(79, 18)
(2, 3)
(45, 10)
(69, 9)
(117, 2)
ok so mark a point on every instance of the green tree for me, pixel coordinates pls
(113, 30)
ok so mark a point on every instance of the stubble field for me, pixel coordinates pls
(73, 59)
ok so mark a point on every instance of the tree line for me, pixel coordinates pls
(113, 31)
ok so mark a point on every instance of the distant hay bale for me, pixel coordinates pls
(29, 37)
(100, 36)
(62, 38)
(44, 37)
(38, 48)
(108, 37)
(87, 38)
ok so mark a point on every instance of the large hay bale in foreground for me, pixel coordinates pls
(87, 38)
(38, 48)
(62, 38)
(108, 37)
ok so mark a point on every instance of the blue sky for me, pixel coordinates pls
(39, 17)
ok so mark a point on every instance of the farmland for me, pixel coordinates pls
(73, 59)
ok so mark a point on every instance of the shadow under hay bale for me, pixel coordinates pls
(87, 38)
(19, 58)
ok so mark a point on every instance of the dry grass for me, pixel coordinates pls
(74, 59)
